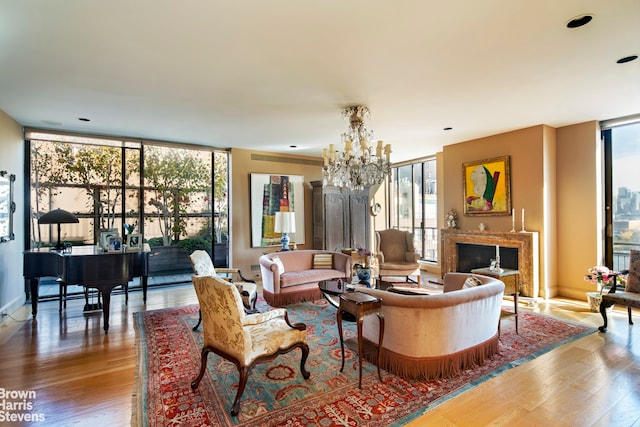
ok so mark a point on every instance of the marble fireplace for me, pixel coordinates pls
(463, 250)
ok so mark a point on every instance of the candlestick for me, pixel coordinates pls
(513, 220)
(497, 251)
(523, 220)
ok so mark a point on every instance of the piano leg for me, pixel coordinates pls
(34, 285)
(106, 302)
(144, 289)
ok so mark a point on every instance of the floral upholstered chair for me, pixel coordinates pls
(243, 339)
(203, 266)
(629, 296)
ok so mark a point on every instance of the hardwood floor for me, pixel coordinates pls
(82, 376)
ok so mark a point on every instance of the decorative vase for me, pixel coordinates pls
(364, 274)
(594, 299)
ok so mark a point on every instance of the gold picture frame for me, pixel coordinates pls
(134, 242)
(487, 186)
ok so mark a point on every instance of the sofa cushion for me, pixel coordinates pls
(279, 263)
(323, 261)
(293, 278)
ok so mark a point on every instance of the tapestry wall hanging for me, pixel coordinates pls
(271, 194)
(487, 187)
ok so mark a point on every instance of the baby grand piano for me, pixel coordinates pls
(89, 267)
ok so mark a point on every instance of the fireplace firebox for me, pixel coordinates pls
(464, 250)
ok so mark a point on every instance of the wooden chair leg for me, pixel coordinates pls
(244, 376)
(203, 366)
(603, 313)
(303, 360)
(195, 328)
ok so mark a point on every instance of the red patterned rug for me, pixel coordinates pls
(168, 358)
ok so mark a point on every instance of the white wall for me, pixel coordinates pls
(12, 160)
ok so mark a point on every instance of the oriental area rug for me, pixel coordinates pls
(168, 359)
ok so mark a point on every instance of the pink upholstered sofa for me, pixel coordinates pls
(299, 281)
(438, 336)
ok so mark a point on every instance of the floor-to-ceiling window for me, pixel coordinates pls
(622, 187)
(174, 196)
(413, 205)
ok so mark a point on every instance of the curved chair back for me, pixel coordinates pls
(202, 264)
(395, 245)
(222, 316)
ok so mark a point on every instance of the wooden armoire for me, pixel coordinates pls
(341, 218)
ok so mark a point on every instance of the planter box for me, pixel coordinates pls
(165, 260)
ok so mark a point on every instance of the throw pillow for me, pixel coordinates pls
(279, 263)
(323, 261)
(471, 282)
(633, 278)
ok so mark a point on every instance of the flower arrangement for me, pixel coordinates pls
(365, 257)
(602, 277)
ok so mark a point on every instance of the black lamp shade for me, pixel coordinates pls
(58, 216)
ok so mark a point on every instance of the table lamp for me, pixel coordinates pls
(285, 224)
(58, 216)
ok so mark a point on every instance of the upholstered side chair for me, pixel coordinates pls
(243, 339)
(396, 254)
(203, 266)
(629, 296)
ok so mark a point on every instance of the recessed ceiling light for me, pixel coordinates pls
(448, 128)
(579, 21)
(83, 119)
(627, 59)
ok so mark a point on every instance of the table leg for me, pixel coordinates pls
(515, 309)
(360, 351)
(339, 320)
(380, 337)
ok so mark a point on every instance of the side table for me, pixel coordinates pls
(501, 275)
(359, 305)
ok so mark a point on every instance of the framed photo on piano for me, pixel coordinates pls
(134, 242)
(105, 235)
(115, 244)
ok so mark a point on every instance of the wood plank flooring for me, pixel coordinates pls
(82, 376)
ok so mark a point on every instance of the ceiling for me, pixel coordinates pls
(268, 75)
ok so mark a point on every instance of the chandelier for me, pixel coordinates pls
(358, 166)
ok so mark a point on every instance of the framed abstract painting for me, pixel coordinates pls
(272, 193)
(487, 187)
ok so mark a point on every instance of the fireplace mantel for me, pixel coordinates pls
(525, 242)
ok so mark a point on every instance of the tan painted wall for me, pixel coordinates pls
(579, 191)
(244, 163)
(526, 149)
(556, 177)
(549, 270)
